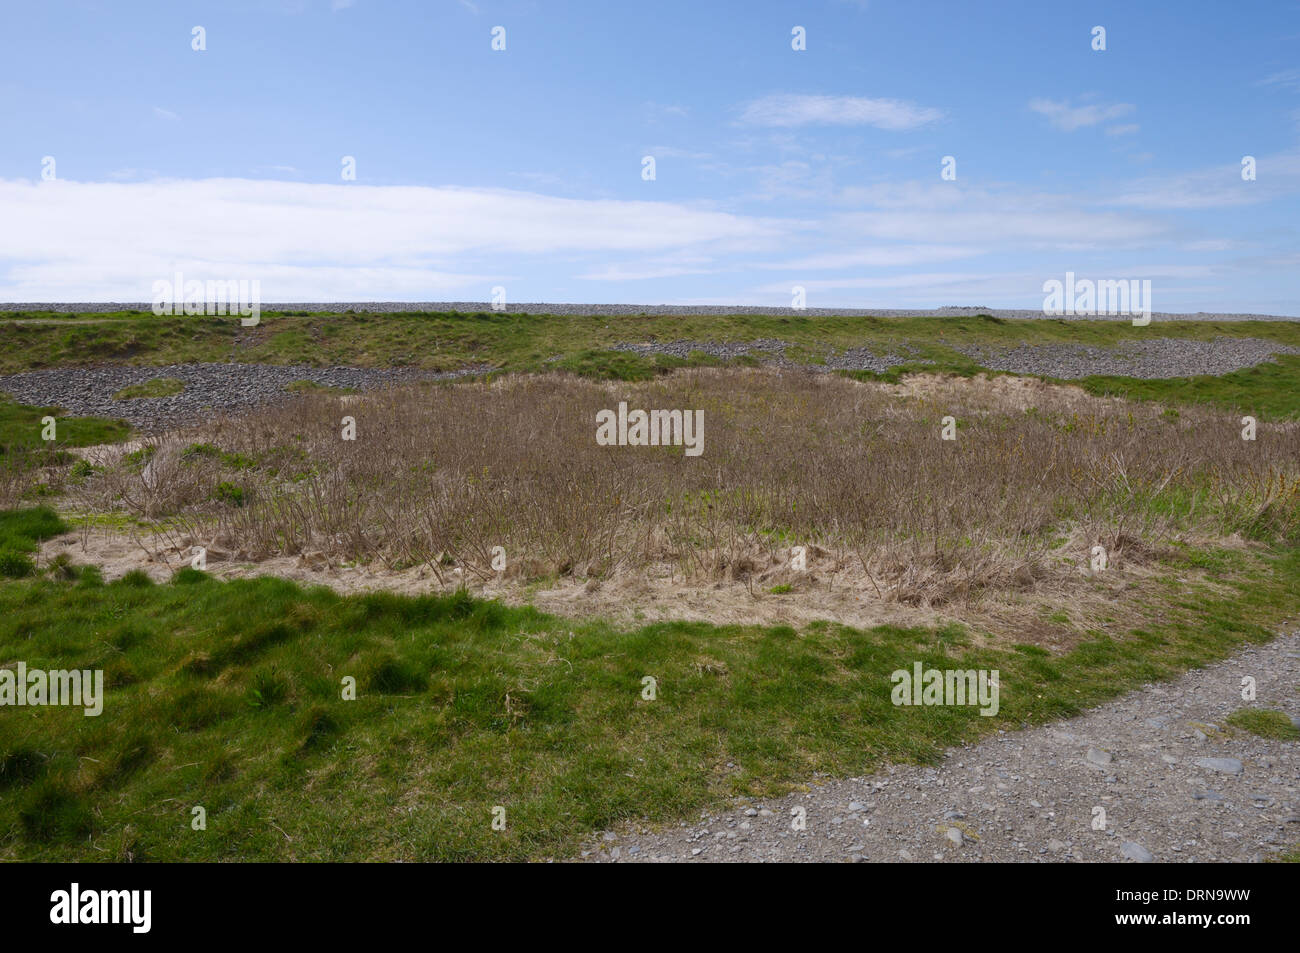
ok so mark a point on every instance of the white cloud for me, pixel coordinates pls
(1069, 118)
(879, 256)
(1127, 129)
(1219, 187)
(672, 152)
(798, 110)
(67, 240)
(911, 195)
(940, 214)
(927, 281)
(650, 268)
(1287, 79)
(1065, 227)
(165, 114)
(657, 111)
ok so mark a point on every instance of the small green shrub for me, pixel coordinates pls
(227, 492)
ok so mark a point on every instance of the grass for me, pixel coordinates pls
(229, 696)
(157, 387)
(1268, 391)
(448, 341)
(584, 346)
(1265, 723)
(311, 387)
(21, 532)
(197, 452)
(21, 428)
(32, 467)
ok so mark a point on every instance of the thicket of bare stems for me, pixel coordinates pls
(439, 475)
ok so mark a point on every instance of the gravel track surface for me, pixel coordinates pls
(392, 307)
(1173, 786)
(209, 388)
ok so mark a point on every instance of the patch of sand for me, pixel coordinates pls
(1001, 392)
(829, 590)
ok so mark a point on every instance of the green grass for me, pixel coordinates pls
(1268, 391)
(21, 429)
(311, 387)
(24, 451)
(583, 345)
(205, 451)
(157, 387)
(21, 532)
(228, 695)
(953, 364)
(231, 493)
(446, 341)
(1265, 723)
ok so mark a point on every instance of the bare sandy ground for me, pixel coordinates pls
(831, 589)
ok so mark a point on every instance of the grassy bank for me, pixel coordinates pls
(1267, 391)
(228, 696)
(443, 341)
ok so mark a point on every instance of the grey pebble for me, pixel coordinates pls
(1136, 852)
(1221, 765)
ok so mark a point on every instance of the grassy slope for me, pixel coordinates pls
(227, 695)
(514, 341)
(581, 345)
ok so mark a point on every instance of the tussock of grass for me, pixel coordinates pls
(157, 387)
(311, 387)
(21, 532)
(1265, 723)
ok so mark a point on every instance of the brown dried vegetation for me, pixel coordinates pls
(857, 473)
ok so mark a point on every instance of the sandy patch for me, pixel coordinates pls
(1114, 601)
(999, 392)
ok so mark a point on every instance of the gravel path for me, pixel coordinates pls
(1174, 788)
(393, 307)
(209, 388)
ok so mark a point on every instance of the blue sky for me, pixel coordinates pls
(773, 167)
